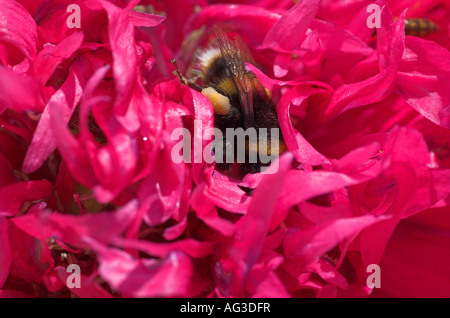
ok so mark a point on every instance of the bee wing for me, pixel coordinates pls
(236, 54)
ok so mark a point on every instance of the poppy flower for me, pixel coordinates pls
(93, 202)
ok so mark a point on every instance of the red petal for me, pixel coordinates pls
(5, 255)
(19, 93)
(13, 196)
(123, 47)
(416, 260)
(305, 245)
(140, 19)
(18, 29)
(422, 79)
(51, 56)
(303, 151)
(167, 277)
(191, 247)
(88, 288)
(289, 30)
(71, 229)
(43, 143)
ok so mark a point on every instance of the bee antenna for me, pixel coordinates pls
(178, 73)
(183, 79)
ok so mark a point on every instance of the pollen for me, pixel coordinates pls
(221, 103)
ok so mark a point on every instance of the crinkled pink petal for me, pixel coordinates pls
(162, 53)
(287, 33)
(250, 22)
(427, 94)
(160, 193)
(302, 150)
(178, 12)
(281, 64)
(320, 214)
(271, 83)
(374, 239)
(433, 186)
(19, 30)
(140, 19)
(191, 247)
(407, 145)
(51, 281)
(14, 196)
(422, 78)
(203, 114)
(357, 160)
(327, 272)
(6, 172)
(390, 47)
(123, 47)
(30, 260)
(75, 230)
(64, 185)
(167, 277)
(151, 117)
(5, 254)
(301, 186)
(51, 56)
(390, 39)
(7, 293)
(416, 260)
(305, 245)
(19, 93)
(358, 24)
(340, 11)
(371, 90)
(225, 192)
(72, 151)
(342, 50)
(43, 143)
(402, 189)
(206, 211)
(88, 288)
(114, 164)
(327, 291)
(253, 226)
(15, 123)
(242, 255)
(268, 284)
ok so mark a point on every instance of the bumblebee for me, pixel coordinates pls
(239, 99)
(419, 27)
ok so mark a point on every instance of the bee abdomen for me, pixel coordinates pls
(419, 27)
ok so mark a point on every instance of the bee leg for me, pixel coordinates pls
(183, 79)
(178, 73)
(197, 75)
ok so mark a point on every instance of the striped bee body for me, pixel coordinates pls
(419, 27)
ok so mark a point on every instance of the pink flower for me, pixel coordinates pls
(87, 175)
